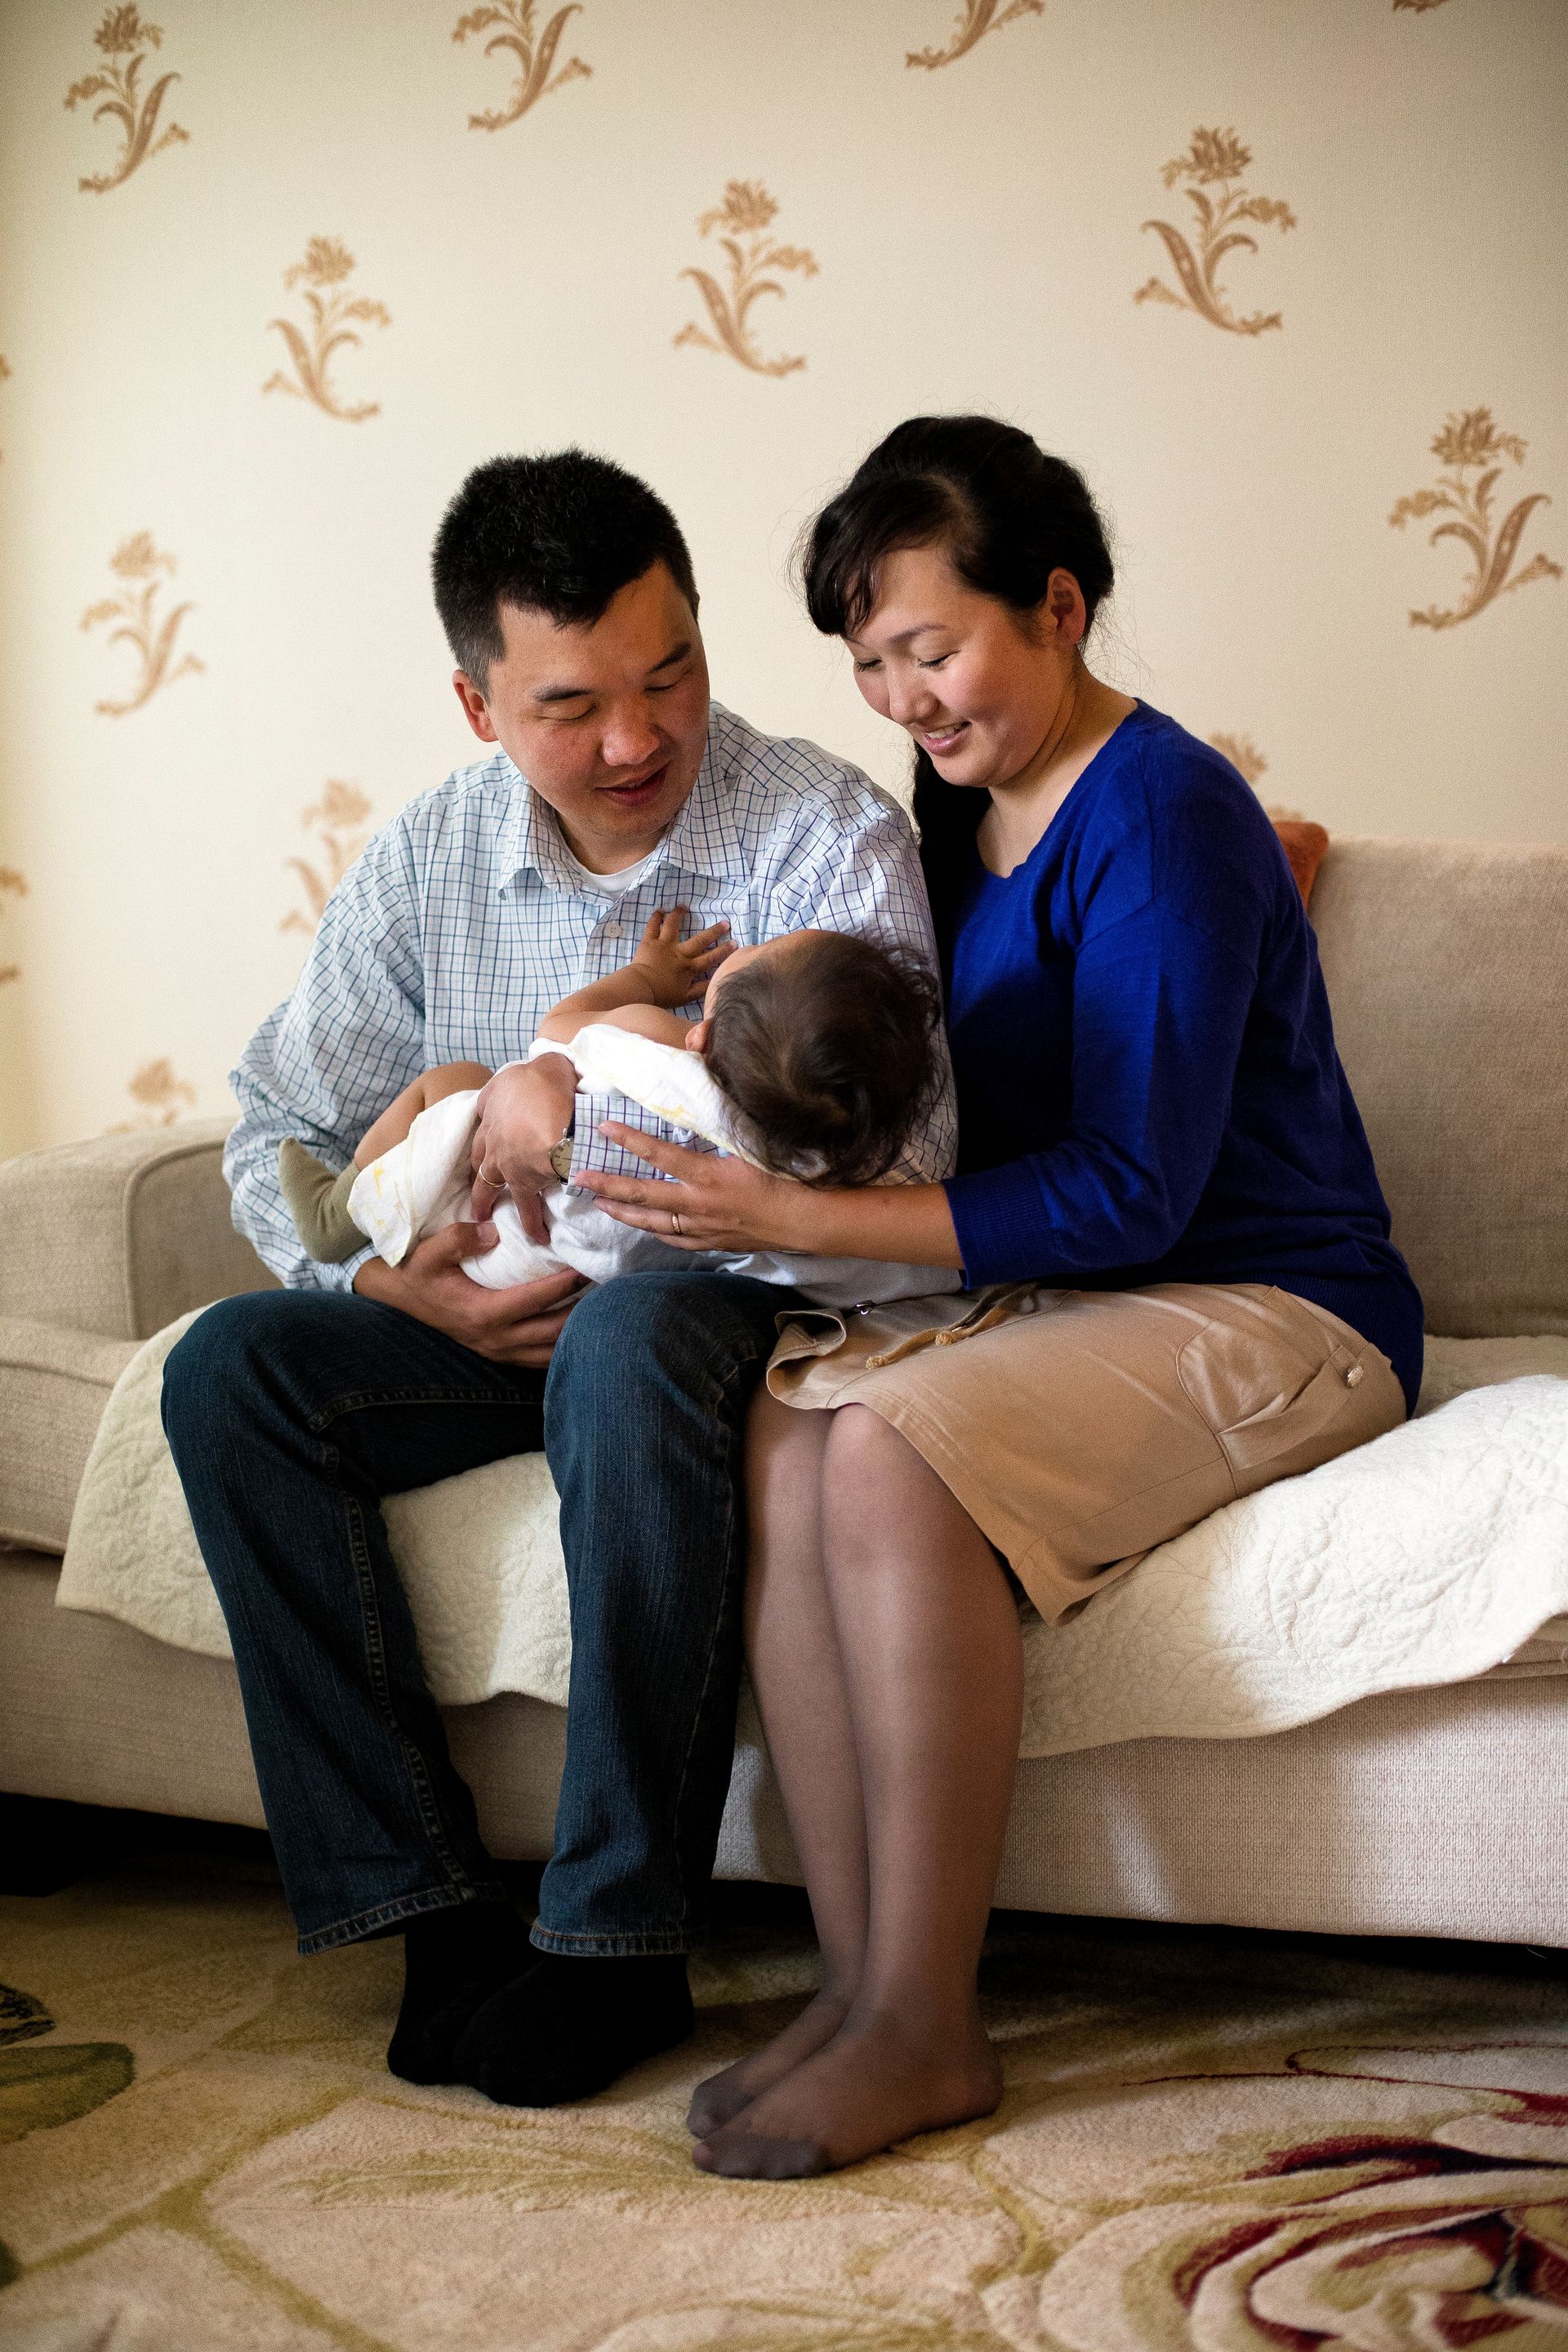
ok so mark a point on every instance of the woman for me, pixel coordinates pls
(1179, 1281)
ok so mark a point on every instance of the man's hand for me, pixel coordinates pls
(523, 1113)
(677, 970)
(518, 1326)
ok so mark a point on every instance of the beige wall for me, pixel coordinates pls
(976, 229)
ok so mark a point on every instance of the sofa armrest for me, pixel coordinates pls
(119, 1235)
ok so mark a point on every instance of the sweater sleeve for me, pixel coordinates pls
(1160, 1006)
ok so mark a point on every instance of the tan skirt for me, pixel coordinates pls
(1079, 1428)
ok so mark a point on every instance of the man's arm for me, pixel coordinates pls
(321, 1069)
(327, 1063)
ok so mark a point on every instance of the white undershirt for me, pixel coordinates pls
(609, 885)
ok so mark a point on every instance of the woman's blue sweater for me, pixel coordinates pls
(1148, 1089)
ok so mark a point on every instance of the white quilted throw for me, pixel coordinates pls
(1430, 1555)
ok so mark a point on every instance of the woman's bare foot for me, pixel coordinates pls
(874, 2084)
(721, 2095)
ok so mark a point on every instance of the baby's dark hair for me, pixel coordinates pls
(830, 1056)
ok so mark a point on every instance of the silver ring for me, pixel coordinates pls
(675, 1220)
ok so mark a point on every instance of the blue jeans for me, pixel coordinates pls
(291, 1413)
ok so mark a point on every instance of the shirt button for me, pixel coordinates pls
(1355, 1376)
(612, 931)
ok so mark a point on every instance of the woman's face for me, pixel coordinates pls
(977, 686)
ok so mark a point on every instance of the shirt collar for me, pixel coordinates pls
(703, 838)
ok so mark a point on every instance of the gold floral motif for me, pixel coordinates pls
(10, 880)
(327, 263)
(746, 214)
(1244, 756)
(978, 18)
(1465, 446)
(137, 562)
(535, 54)
(341, 818)
(123, 37)
(1217, 159)
(162, 1094)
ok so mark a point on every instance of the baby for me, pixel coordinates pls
(814, 1057)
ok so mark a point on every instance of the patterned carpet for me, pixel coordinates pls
(1221, 2141)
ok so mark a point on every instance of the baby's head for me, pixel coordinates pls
(826, 1046)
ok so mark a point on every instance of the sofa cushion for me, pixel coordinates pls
(1306, 845)
(54, 1385)
(1447, 965)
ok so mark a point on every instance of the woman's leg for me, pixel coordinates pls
(797, 1674)
(932, 1662)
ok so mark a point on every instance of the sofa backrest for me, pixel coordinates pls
(120, 1234)
(1447, 965)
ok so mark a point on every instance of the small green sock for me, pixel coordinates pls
(319, 1203)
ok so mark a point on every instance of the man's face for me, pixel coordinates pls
(608, 722)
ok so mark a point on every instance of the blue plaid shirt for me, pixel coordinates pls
(466, 920)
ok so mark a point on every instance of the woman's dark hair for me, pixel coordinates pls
(561, 534)
(830, 1054)
(1004, 513)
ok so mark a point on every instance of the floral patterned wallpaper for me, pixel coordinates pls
(731, 246)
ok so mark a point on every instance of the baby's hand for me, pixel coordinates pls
(678, 969)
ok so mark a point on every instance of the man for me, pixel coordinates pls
(566, 592)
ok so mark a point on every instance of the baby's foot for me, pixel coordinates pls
(874, 2084)
(718, 2097)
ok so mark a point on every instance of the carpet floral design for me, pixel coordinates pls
(1238, 2145)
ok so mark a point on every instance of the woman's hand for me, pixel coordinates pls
(725, 1204)
(713, 1203)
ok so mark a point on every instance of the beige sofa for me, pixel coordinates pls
(1437, 1811)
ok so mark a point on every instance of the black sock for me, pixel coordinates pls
(570, 2026)
(453, 1960)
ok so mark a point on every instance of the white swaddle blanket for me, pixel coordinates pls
(423, 1183)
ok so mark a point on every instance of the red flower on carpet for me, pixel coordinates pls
(1452, 2234)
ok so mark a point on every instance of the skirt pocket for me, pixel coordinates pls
(1283, 1394)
